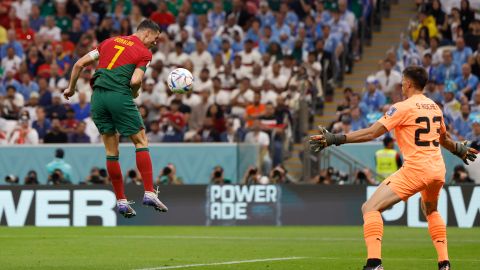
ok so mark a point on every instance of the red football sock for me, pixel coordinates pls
(144, 165)
(115, 173)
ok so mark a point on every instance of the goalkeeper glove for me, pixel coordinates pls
(464, 152)
(325, 139)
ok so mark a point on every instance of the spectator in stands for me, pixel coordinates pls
(358, 121)
(50, 31)
(12, 103)
(41, 124)
(475, 103)
(23, 133)
(432, 92)
(216, 16)
(451, 105)
(230, 135)
(11, 62)
(205, 83)
(467, 15)
(435, 10)
(217, 177)
(199, 111)
(257, 136)
(239, 98)
(388, 78)
(218, 117)
(373, 98)
(13, 44)
(467, 82)
(96, 178)
(155, 135)
(162, 16)
(207, 132)
(31, 106)
(475, 64)
(254, 110)
(344, 125)
(151, 99)
(55, 134)
(435, 55)
(201, 58)
(448, 70)
(239, 71)
(147, 7)
(427, 65)
(472, 37)
(69, 123)
(461, 53)
(76, 32)
(462, 125)
(425, 21)
(57, 109)
(58, 163)
(28, 86)
(474, 134)
(278, 80)
(173, 123)
(79, 135)
(82, 108)
(35, 19)
(340, 26)
(407, 54)
(177, 57)
(168, 176)
(31, 178)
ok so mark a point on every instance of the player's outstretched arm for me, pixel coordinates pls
(325, 138)
(460, 149)
(86, 60)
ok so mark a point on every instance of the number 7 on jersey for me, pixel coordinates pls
(115, 57)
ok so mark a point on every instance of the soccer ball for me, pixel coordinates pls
(180, 81)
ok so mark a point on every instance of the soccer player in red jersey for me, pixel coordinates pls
(122, 62)
(420, 130)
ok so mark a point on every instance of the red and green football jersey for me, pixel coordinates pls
(118, 57)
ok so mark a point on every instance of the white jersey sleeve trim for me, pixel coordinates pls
(94, 54)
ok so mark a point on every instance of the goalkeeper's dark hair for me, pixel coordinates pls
(417, 75)
(148, 24)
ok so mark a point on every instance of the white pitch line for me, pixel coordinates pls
(246, 238)
(222, 263)
(262, 238)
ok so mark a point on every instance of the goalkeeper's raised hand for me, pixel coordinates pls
(464, 152)
(325, 139)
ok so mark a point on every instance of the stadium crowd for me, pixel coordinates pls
(446, 42)
(254, 62)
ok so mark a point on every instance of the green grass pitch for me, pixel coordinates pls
(241, 247)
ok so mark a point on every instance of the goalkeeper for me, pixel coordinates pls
(420, 130)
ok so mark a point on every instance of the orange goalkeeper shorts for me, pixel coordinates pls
(406, 182)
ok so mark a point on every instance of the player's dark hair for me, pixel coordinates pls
(148, 25)
(417, 75)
